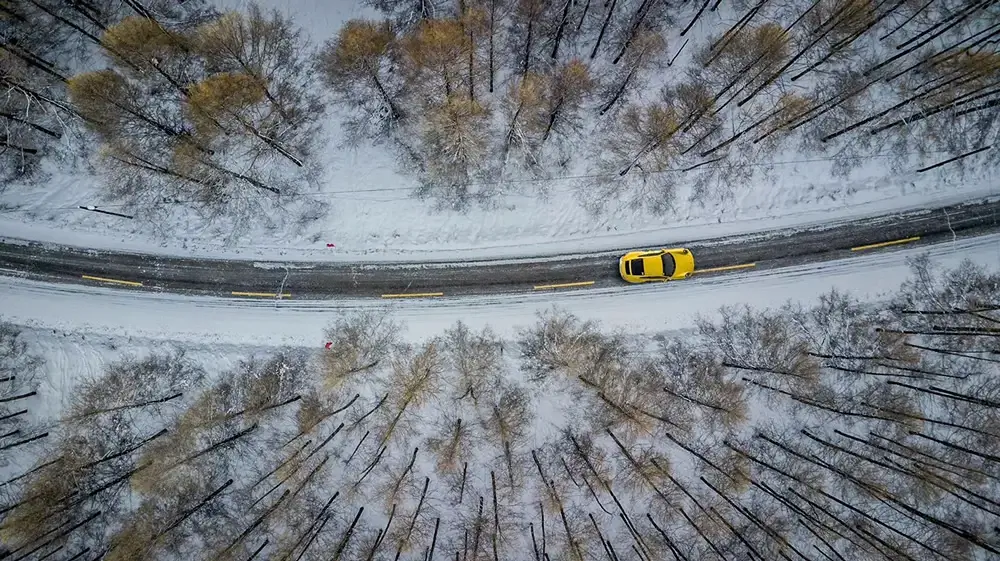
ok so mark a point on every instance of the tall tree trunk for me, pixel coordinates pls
(604, 27)
(739, 535)
(394, 112)
(951, 51)
(924, 419)
(370, 412)
(33, 61)
(39, 96)
(719, 45)
(187, 514)
(24, 441)
(950, 352)
(413, 522)
(129, 406)
(493, 17)
(553, 115)
(907, 20)
(934, 458)
(562, 27)
(37, 127)
(695, 18)
(324, 443)
(527, 47)
(472, 63)
(64, 21)
(260, 519)
(953, 446)
(640, 17)
(347, 535)
(618, 93)
(951, 19)
(956, 158)
(586, 9)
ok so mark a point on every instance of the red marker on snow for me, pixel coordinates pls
(328, 344)
(331, 245)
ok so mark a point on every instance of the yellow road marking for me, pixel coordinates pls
(884, 244)
(264, 294)
(727, 268)
(413, 295)
(563, 285)
(115, 281)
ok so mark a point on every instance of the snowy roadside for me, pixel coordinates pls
(400, 229)
(209, 320)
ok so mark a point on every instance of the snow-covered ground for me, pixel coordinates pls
(203, 320)
(77, 354)
(372, 215)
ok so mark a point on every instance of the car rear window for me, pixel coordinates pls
(637, 267)
(668, 265)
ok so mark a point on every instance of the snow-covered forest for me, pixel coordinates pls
(182, 105)
(841, 429)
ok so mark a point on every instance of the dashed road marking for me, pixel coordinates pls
(113, 281)
(885, 244)
(726, 268)
(564, 285)
(414, 295)
(264, 294)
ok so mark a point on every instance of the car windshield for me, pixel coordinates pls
(637, 267)
(668, 265)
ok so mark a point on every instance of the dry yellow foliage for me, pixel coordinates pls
(360, 46)
(790, 108)
(227, 93)
(771, 41)
(224, 34)
(856, 15)
(661, 122)
(754, 50)
(134, 540)
(93, 94)
(138, 41)
(459, 126)
(983, 64)
(41, 497)
(528, 91)
(437, 48)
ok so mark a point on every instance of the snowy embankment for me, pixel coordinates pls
(398, 227)
(103, 311)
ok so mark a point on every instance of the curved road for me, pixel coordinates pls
(316, 280)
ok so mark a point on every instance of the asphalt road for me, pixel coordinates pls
(317, 280)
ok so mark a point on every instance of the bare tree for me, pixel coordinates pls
(407, 14)
(359, 344)
(234, 122)
(454, 145)
(357, 66)
(19, 370)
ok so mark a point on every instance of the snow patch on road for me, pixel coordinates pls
(270, 266)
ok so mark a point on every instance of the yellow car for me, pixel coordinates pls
(659, 265)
